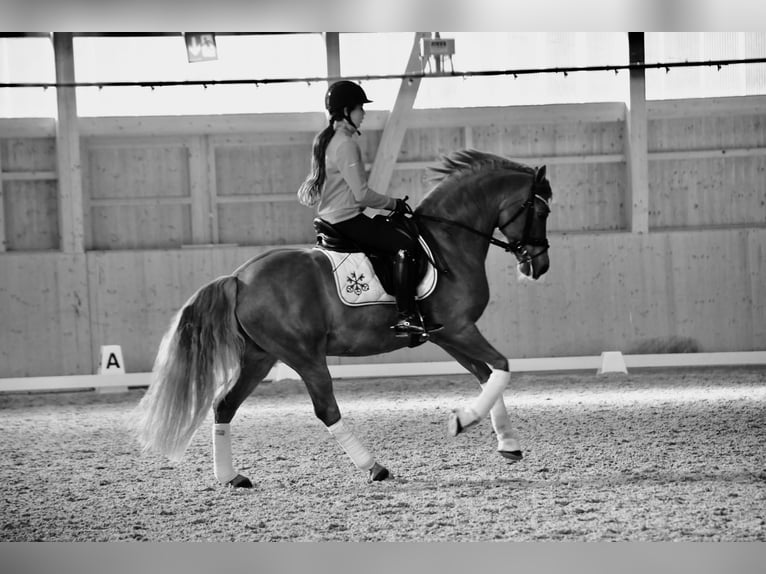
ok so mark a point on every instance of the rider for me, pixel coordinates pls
(337, 184)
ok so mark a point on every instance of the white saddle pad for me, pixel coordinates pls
(358, 285)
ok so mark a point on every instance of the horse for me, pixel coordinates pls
(282, 305)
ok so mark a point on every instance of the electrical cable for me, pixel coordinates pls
(616, 68)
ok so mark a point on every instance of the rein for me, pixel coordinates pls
(493, 240)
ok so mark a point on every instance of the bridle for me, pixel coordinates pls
(517, 247)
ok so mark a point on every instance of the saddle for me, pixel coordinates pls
(329, 238)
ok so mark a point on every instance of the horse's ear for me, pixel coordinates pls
(540, 174)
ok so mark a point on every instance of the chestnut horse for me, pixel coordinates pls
(283, 305)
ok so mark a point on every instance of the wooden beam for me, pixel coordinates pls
(256, 198)
(311, 122)
(707, 153)
(27, 127)
(332, 46)
(138, 142)
(263, 139)
(549, 114)
(71, 226)
(396, 125)
(163, 126)
(704, 107)
(141, 201)
(29, 175)
(529, 160)
(280, 125)
(636, 153)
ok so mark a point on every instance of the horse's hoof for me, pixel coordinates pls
(454, 427)
(512, 455)
(240, 481)
(378, 473)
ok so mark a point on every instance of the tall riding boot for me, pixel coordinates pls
(409, 320)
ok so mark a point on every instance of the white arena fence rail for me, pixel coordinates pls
(121, 382)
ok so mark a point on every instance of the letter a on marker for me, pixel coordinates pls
(111, 360)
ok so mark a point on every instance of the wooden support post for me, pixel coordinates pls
(468, 137)
(71, 226)
(201, 208)
(396, 125)
(212, 188)
(332, 46)
(636, 153)
(2, 206)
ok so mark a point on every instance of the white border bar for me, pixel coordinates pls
(697, 359)
(73, 382)
(281, 371)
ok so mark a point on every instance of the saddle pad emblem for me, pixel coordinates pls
(357, 283)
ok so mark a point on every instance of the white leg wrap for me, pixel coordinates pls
(507, 436)
(224, 468)
(490, 393)
(361, 457)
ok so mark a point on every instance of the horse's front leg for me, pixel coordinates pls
(508, 440)
(473, 351)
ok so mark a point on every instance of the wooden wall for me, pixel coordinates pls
(605, 291)
(28, 194)
(256, 178)
(137, 193)
(610, 291)
(171, 203)
(169, 182)
(45, 327)
(708, 170)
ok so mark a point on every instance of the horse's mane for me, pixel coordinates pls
(465, 162)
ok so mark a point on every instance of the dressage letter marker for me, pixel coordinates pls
(111, 360)
(111, 364)
(612, 362)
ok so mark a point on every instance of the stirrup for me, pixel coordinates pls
(406, 326)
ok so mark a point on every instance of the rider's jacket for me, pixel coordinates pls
(346, 193)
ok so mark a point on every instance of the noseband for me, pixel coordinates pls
(517, 247)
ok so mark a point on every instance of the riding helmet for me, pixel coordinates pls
(344, 94)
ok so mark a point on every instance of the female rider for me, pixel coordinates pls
(337, 185)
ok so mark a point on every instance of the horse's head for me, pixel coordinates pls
(511, 196)
(524, 226)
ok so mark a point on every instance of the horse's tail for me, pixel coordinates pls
(200, 353)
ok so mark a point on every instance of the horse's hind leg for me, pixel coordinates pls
(508, 444)
(318, 382)
(255, 366)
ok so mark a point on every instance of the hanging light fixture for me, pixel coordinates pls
(200, 47)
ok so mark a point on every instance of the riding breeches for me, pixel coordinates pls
(377, 235)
